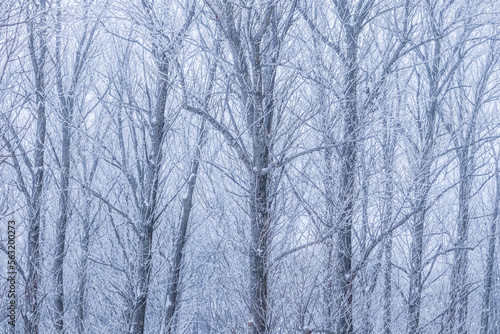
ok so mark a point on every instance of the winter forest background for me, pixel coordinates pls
(251, 166)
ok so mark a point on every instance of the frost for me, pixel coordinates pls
(346, 145)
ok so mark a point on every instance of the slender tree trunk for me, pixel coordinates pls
(62, 222)
(366, 275)
(187, 205)
(347, 188)
(256, 85)
(259, 252)
(417, 232)
(369, 274)
(163, 58)
(421, 192)
(389, 155)
(67, 101)
(148, 210)
(491, 259)
(387, 318)
(259, 215)
(82, 282)
(38, 58)
(328, 182)
(85, 244)
(459, 293)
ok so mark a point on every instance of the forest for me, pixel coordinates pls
(250, 166)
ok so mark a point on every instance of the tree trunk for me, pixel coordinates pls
(491, 258)
(417, 232)
(187, 205)
(67, 102)
(258, 206)
(458, 292)
(82, 281)
(62, 222)
(34, 210)
(389, 155)
(85, 244)
(347, 188)
(148, 210)
(422, 188)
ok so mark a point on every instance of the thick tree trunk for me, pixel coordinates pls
(260, 232)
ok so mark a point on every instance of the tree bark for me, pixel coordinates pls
(388, 157)
(491, 258)
(459, 292)
(38, 58)
(85, 244)
(148, 207)
(259, 202)
(347, 187)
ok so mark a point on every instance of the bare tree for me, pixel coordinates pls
(254, 59)
(145, 184)
(37, 43)
(465, 140)
(440, 64)
(491, 257)
(390, 140)
(173, 284)
(67, 90)
(353, 18)
(242, 166)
